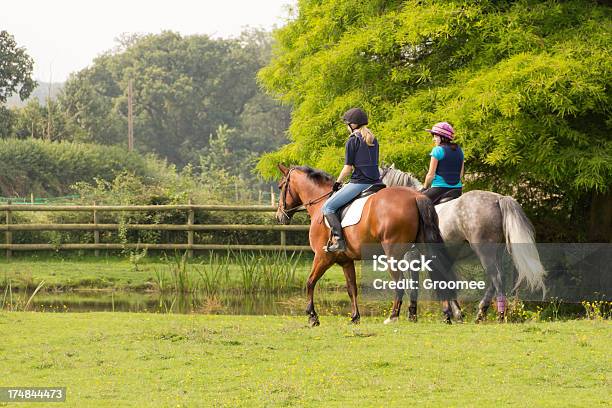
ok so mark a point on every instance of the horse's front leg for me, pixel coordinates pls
(351, 287)
(320, 264)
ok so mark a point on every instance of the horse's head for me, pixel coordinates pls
(394, 177)
(288, 200)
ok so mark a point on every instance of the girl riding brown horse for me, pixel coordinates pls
(394, 217)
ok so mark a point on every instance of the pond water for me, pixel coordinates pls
(328, 302)
(293, 303)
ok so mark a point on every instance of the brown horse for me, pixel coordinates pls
(394, 217)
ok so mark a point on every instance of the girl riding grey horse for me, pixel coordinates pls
(446, 165)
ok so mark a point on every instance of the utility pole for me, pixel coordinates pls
(49, 105)
(130, 118)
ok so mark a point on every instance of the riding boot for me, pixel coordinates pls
(336, 243)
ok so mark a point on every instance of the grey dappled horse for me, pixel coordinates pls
(484, 219)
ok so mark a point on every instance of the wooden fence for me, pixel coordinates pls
(189, 227)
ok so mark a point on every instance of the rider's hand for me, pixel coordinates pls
(337, 186)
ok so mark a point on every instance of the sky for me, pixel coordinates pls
(63, 36)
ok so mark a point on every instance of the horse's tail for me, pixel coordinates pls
(429, 233)
(520, 243)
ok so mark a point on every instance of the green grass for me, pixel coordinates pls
(127, 359)
(75, 272)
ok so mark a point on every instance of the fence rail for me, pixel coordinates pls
(189, 227)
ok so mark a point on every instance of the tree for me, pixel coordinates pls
(15, 69)
(8, 117)
(32, 121)
(525, 83)
(185, 87)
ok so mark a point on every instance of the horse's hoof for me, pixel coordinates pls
(501, 318)
(356, 320)
(314, 321)
(390, 320)
(412, 314)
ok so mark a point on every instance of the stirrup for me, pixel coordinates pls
(338, 246)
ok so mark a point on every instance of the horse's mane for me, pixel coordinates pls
(318, 176)
(395, 177)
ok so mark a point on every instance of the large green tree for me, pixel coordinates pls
(525, 83)
(15, 69)
(185, 87)
(15, 77)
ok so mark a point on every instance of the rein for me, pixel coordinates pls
(302, 207)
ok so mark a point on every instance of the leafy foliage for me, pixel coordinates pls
(525, 83)
(44, 122)
(39, 167)
(15, 69)
(185, 87)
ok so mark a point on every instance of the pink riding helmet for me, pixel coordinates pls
(442, 129)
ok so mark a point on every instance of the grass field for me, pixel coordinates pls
(129, 359)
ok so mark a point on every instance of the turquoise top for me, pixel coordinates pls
(438, 153)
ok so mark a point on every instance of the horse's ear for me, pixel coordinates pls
(284, 169)
(392, 166)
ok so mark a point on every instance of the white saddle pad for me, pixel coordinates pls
(353, 214)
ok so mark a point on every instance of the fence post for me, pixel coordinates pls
(9, 234)
(96, 231)
(283, 237)
(190, 220)
(271, 195)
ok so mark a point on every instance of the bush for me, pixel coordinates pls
(51, 168)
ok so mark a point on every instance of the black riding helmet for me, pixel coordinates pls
(355, 116)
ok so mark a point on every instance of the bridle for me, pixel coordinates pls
(285, 188)
(385, 170)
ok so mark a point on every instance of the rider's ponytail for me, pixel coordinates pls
(367, 135)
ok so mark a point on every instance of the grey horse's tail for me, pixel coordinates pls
(520, 243)
(429, 233)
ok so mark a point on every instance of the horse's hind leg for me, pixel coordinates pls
(502, 303)
(397, 301)
(484, 304)
(414, 296)
(395, 251)
(351, 287)
(490, 259)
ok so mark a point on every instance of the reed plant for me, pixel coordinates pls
(16, 303)
(278, 271)
(250, 279)
(257, 273)
(214, 275)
